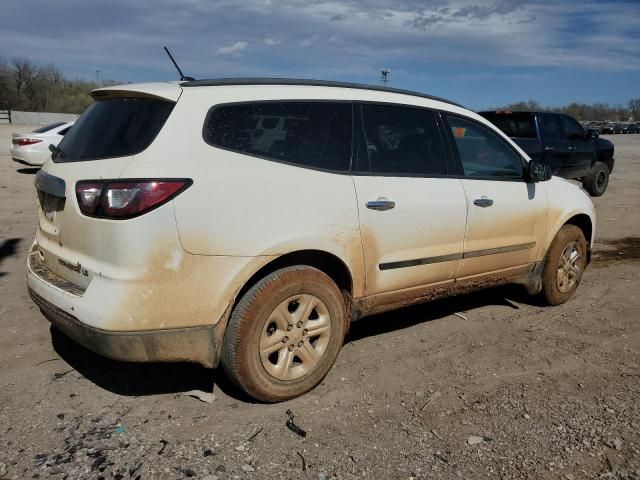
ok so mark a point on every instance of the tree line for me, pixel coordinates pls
(30, 87)
(583, 111)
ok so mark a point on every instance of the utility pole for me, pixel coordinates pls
(384, 76)
(98, 76)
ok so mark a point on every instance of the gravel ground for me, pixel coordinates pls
(512, 390)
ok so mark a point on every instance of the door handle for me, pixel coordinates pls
(483, 202)
(381, 204)
(572, 148)
(549, 149)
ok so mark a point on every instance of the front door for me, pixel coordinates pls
(506, 215)
(581, 148)
(412, 220)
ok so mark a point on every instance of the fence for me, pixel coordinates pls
(34, 118)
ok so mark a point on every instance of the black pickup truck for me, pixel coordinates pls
(561, 142)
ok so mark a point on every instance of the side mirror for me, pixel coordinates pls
(592, 133)
(538, 172)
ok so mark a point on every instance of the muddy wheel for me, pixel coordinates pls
(564, 265)
(596, 182)
(285, 334)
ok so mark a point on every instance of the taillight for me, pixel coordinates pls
(23, 142)
(120, 199)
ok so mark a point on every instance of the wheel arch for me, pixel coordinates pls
(606, 157)
(324, 261)
(584, 223)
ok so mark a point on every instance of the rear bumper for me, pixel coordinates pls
(27, 156)
(84, 317)
(192, 344)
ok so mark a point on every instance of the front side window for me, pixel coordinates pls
(483, 153)
(400, 140)
(573, 130)
(310, 134)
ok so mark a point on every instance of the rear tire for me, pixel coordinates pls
(598, 179)
(564, 265)
(285, 334)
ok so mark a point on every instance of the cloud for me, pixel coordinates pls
(332, 39)
(482, 12)
(233, 49)
(307, 42)
(270, 41)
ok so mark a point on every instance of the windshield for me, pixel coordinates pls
(115, 127)
(513, 124)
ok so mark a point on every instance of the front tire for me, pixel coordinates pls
(285, 334)
(598, 179)
(564, 265)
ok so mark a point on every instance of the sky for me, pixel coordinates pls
(480, 54)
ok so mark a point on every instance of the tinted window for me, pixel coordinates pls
(400, 140)
(573, 130)
(516, 124)
(482, 152)
(552, 127)
(48, 127)
(313, 134)
(114, 128)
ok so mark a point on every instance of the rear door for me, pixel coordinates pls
(555, 146)
(506, 215)
(412, 216)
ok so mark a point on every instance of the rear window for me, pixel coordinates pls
(46, 128)
(309, 134)
(517, 125)
(115, 127)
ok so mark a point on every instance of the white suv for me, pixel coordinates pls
(171, 230)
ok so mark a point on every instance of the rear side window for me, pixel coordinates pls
(400, 140)
(482, 152)
(310, 134)
(48, 127)
(552, 127)
(516, 124)
(115, 127)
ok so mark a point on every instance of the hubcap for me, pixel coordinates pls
(295, 337)
(569, 267)
(600, 180)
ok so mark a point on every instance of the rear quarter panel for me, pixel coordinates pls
(243, 206)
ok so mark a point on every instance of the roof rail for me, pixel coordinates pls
(219, 82)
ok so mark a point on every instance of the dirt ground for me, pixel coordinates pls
(512, 390)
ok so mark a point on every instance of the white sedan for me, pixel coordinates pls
(33, 148)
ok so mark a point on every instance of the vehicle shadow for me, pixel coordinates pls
(28, 170)
(129, 378)
(8, 248)
(145, 379)
(425, 312)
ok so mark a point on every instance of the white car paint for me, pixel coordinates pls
(183, 264)
(37, 153)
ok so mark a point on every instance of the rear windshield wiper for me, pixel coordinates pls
(56, 151)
